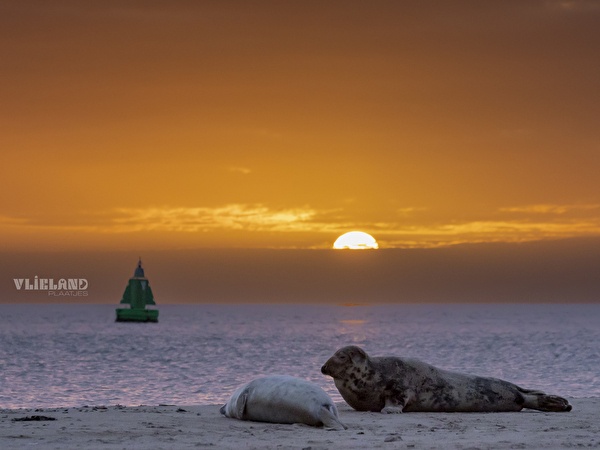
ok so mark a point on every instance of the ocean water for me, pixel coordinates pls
(75, 355)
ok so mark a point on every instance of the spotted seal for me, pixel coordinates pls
(283, 399)
(394, 385)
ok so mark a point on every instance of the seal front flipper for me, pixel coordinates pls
(235, 408)
(328, 415)
(391, 410)
(240, 405)
(393, 406)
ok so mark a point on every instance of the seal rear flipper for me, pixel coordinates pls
(328, 415)
(553, 403)
(543, 402)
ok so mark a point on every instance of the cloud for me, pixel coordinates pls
(229, 217)
(486, 232)
(550, 209)
(410, 210)
(509, 224)
(242, 170)
(576, 5)
(8, 220)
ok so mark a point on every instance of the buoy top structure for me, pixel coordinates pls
(137, 295)
(139, 270)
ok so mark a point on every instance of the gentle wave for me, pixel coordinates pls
(74, 355)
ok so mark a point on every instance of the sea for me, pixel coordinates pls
(76, 355)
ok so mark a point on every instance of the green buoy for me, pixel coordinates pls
(137, 295)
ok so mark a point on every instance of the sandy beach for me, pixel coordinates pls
(182, 427)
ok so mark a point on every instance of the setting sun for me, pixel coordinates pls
(355, 240)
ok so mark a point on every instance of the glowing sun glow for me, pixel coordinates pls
(355, 240)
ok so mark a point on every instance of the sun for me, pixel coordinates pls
(355, 240)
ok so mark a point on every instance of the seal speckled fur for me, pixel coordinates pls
(283, 399)
(393, 385)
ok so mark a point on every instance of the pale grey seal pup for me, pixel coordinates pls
(283, 399)
(393, 385)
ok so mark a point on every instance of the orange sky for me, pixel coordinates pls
(187, 124)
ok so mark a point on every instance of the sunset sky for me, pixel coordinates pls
(174, 125)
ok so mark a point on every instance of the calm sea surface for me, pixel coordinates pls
(74, 355)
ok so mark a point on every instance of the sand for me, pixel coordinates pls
(182, 427)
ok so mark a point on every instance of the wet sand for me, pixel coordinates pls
(183, 427)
